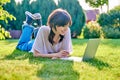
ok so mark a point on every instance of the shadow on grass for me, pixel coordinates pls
(98, 63)
(55, 69)
(50, 69)
(18, 55)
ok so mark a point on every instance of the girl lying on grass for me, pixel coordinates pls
(54, 40)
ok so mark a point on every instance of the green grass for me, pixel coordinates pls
(19, 65)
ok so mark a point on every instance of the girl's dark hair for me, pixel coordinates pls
(58, 17)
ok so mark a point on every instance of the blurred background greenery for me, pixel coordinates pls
(101, 25)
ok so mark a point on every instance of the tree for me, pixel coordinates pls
(77, 14)
(97, 3)
(4, 15)
(44, 7)
(11, 8)
(18, 10)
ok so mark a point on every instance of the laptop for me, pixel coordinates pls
(89, 53)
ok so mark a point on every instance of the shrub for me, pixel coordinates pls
(103, 19)
(92, 30)
(111, 32)
(4, 34)
(110, 23)
(111, 18)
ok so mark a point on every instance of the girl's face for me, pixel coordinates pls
(62, 29)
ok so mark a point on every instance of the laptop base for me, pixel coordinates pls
(72, 58)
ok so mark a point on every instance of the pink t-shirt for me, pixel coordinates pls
(43, 45)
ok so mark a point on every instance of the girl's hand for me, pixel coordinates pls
(62, 53)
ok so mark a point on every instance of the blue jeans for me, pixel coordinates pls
(25, 42)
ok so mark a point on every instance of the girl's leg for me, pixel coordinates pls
(25, 42)
(27, 46)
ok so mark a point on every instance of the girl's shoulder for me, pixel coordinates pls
(45, 28)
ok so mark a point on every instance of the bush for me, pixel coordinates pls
(4, 34)
(111, 32)
(110, 23)
(111, 18)
(92, 30)
(103, 19)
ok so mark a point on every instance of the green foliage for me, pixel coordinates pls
(111, 18)
(111, 32)
(4, 34)
(92, 30)
(18, 11)
(97, 3)
(4, 15)
(103, 19)
(3, 2)
(44, 7)
(77, 14)
(111, 23)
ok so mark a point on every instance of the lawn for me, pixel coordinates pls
(19, 65)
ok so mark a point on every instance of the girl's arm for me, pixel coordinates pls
(60, 54)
